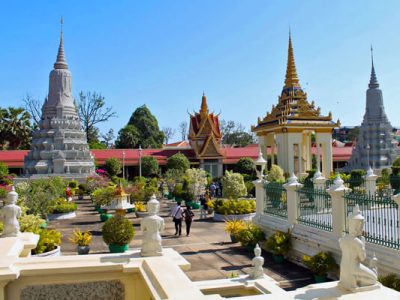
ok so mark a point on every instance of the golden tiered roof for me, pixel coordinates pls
(293, 109)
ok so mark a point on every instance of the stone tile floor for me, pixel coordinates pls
(208, 248)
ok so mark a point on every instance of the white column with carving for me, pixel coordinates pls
(370, 182)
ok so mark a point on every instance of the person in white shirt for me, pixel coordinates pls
(177, 218)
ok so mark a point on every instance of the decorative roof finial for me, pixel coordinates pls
(373, 82)
(204, 106)
(61, 62)
(291, 79)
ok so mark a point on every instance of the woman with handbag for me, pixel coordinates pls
(188, 215)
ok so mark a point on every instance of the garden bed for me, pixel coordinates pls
(55, 252)
(223, 218)
(62, 216)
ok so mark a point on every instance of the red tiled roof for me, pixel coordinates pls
(15, 158)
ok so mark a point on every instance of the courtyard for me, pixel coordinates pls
(208, 248)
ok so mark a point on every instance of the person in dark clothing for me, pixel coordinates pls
(177, 214)
(203, 207)
(188, 215)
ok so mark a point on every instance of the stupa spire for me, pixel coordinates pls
(61, 62)
(373, 82)
(204, 106)
(291, 79)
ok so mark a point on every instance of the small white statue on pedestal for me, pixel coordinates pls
(257, 262)
(151, 227)
(354, 275)
(9, 215)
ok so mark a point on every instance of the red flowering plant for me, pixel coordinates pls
(4, 190)
(95, 181)
(68, 192)
(101, 172)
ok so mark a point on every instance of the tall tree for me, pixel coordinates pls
(128, 137)
(235, 134)
(92, 111)
(183, 129)
(108, 137)
(34, 107)
(15, 128)
(168, 133)
(142, 129)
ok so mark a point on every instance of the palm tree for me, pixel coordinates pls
(15, 128)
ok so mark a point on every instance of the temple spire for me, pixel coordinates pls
(373, 82)
(291, 79)
(204, 106)
(61, 62)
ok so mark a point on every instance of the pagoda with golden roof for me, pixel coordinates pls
(205, 139)
(287, 129)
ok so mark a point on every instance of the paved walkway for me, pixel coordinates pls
(208, 248)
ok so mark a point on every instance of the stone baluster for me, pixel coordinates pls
(337, 192)
(293, 199)
(260, 196)
(370, 182)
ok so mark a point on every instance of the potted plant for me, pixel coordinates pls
(279, 244)
(62, 210)
(103, 197)
(250, 235)
(117, 233)
(234, 227)
(320, 264)
(48, 244)
(82, 241)
(141, 209)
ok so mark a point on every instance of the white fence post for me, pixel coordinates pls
(292, 199)
(370, 182)
(337, 191)
(260, 196)
(319, 181)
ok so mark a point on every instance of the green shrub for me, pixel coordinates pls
(48, 241)
(320, 264)
(233, 184)
(73, 184)
(1, 227)
(42, 194)
(279, 243)
(390, 281)
(275, 174)
(118, 231)
(103, 196)
(113, 166)
(30, 223)
(179, 162)
(250, 235)
(63, 206)
(234, 206)
(83, 188)
(251, 189)
(149, 166)
(3, 169)
(245, 165)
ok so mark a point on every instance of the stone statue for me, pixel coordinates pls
(151, 227)
(353, 274)
(257, 263)
(9, 215)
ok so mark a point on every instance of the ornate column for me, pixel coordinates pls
(300, 157)
(292, 198)
(337, 191)
(260, 196)
(319, 180)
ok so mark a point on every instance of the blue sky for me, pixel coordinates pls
(165, 53)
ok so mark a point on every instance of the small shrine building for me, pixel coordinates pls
(287, 130)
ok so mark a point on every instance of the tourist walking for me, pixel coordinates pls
(203, 207)
(177, 218)
(188, 215)
(212, 190)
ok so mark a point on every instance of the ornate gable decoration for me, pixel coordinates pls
(204, 130)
